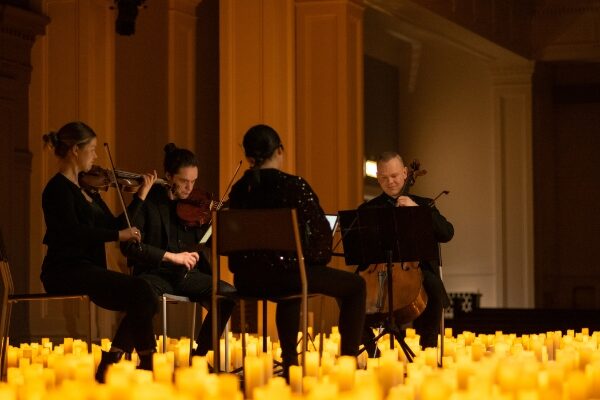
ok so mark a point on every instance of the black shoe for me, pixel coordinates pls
(108, 358)
(146, 361)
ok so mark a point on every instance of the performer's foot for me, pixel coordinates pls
(146, 360)
(108, 358)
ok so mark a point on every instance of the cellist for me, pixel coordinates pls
(391, 176)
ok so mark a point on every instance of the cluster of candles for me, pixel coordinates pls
(500, 366)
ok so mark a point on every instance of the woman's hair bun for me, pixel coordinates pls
(51, 138)
(169, 148)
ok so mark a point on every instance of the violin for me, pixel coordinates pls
(195, 210)
(100, 179)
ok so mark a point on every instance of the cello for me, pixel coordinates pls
(409, 296)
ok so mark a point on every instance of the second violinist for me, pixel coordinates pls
(169, 258)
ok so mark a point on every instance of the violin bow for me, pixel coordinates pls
(114, 177)
(209, 230)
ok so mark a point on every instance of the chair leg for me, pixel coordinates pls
(4, 324)
(193, 335)
(304, 332)
(264, 325)
(164, 323)
(89, 324)
(243, 323)
(226, 349)
(5, 340)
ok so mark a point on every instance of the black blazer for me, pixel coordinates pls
(153, 220)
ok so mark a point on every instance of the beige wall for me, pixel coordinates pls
(449, 119)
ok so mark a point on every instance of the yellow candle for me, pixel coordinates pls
(267, 365)
(296, 379)
(253, 374)
(12, 357)
(433, 387)
(236, 356)
(477, 350)
(431, 356)
(576, 386)
(68, 345)
(346, 367)
(312, 364)
(389, 374)
(163, 367)
(183, 355)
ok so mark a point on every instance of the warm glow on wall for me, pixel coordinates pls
(371, 168)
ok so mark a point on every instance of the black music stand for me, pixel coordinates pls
(386, 235)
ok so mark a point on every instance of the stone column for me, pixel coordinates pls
(18, 30)
(514, 184)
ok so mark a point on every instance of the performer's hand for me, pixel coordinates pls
(405, 201)
(128, 234)
(149, 179)
(187, 259)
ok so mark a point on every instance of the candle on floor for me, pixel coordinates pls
(312, 364)
(345, 369)
(295, 374)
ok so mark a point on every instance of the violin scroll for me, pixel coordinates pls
(414, 171)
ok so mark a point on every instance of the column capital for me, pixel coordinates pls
(520, 73)
(22, 23)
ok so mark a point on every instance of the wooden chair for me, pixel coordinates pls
(257, 229)
(8, 298)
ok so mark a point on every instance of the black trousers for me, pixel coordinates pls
(347, 288)
(427, 324)
(197, 286)
(113, 291)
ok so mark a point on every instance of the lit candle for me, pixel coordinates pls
(434, 387)
(183, 354)
(12, 357)
(389, 374)
(346, 367)
(296, 378)
(68, 345)
(253, 375)
(312, 364)
(163, 367)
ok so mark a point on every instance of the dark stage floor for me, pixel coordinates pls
(523, 321)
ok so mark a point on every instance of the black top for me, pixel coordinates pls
(272, 188)
(76, 229)
(162, 231)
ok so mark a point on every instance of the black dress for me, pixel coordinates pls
(75, 261)
(275, 274)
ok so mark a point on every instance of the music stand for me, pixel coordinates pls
(386, 235)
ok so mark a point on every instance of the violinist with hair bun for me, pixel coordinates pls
(266, 273)
(168, 257)
(78, 224)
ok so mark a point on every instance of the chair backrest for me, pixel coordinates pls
(256, 229)
(240, 230)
